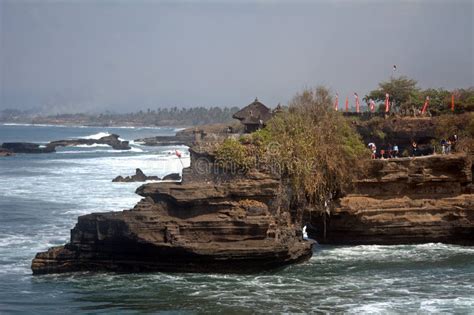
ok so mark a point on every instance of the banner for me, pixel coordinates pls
(387, 102)
(347, 103)
(336, 103)
(425, 107)
(357, 102)
(452, 102)
(372, 105)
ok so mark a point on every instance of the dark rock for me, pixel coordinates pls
(25, 147)
(172, 176)
(138, 177)
(112, 140)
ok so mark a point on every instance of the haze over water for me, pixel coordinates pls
(42, 195)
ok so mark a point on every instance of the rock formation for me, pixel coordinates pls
(233, 226)
(172, 176)
(138, 177)
(112, 140)
(403, 201)
(25, 147)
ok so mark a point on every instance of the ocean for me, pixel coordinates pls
(42, 195)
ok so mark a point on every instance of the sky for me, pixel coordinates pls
(123, 56)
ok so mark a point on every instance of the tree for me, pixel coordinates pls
(402, 91)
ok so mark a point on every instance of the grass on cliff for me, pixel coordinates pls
(309, 145)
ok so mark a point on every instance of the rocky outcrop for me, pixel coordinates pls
(403, 201)
(111, 140)
(233, 226)
(138, 177)
(25, 147)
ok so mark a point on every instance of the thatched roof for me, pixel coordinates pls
(254, 113)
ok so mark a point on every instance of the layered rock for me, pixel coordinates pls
(403, 201)
(194, 226)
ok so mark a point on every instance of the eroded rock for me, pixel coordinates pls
(233, 226)
(404, 201)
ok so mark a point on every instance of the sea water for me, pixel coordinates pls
(41, 196)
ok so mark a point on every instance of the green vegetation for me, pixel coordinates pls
(407, 98)
(308, 145)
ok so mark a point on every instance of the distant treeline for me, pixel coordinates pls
(160, 117)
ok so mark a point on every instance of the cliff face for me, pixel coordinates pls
(407, 200)
(234, 226)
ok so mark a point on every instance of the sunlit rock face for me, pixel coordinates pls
(404, 201)
(215, 225)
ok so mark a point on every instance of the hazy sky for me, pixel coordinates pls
(130, 55)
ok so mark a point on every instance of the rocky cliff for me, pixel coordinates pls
(194, 226)
(405, 200)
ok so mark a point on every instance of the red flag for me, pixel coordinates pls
(427, 102)
(452, 102)
(178, 154)
(357, 102)
(336, 104)
(347, 103)
(387, 102)
(372, 105)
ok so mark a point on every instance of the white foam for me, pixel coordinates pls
(96, 136)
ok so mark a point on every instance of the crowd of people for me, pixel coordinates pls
(392, 151)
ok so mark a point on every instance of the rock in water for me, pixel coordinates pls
(197, 226)
(138, 177)
(25, 147)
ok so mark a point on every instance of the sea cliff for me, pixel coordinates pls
(405, 201)
(213, 225)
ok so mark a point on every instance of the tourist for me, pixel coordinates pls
(414, 149)
(395, 151)
(373, 149)
(443, 146)
(382, 154)
(389, 151)
(448, 146)
(454, 140)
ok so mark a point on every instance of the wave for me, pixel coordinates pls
(96, 136)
